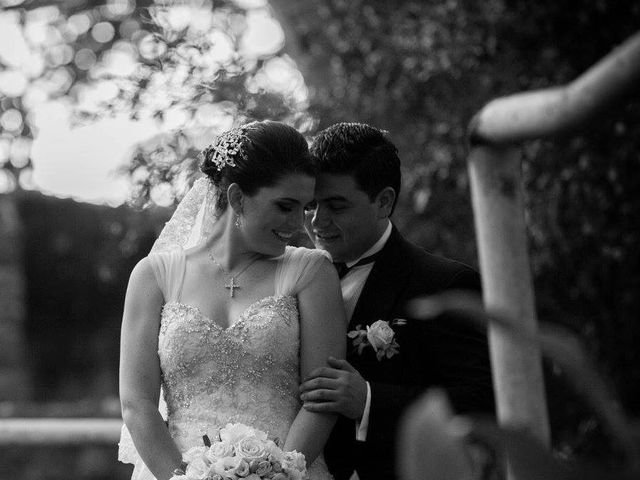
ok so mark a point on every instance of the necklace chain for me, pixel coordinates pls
(232, 286)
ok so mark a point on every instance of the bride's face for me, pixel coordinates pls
(272, 216)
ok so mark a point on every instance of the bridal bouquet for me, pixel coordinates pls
(242, 453)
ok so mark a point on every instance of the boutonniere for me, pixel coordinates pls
(379, 335)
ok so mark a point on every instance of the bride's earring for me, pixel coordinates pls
(237, 223)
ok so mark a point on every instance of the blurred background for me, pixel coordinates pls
(104, 106)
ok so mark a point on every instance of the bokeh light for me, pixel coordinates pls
(264, 35)
(282, 74)
(176, 118)
(174, 18)
(120, 60)
(44, 14)
(5, 149)
(59, 55)
(60, 79)
(35, 33)
(151, 47)
(206, 114)
(128, 27)
(162, 194)
(13, 83)
(25, 179)
(33, 97)
(250, 4)
(103, 32)
(11, 121)
(14, 51)
(79, 23)
(222, 50)
(7, 181)
(11, 3)
(85, 59)
(118, 8)
(20, 152)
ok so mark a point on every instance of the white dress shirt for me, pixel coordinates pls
(352, 284)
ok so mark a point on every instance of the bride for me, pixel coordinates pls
(223, 317)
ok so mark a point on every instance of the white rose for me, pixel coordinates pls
(193, 453)
(198, 468)
(294, 474)
(242, 470)
(276, 466)
(226, 466)
(295, 460)
(273, 451)
(380, 334)
(219, 450)
(263, 469)
(234, 432)
(251, 448)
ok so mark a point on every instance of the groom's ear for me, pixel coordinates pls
(385, 201)
(235, 197)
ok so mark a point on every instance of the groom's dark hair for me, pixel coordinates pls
(359, 150)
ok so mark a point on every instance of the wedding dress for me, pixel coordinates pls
(247, 373)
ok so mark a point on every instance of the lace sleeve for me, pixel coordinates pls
(297, 268)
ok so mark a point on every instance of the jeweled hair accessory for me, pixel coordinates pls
(227, 148)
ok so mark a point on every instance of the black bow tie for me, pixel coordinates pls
(343, 269)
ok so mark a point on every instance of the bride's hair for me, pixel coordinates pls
(269, 151)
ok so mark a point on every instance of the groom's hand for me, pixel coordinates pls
(338, 388)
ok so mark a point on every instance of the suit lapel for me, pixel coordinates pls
(384, 284)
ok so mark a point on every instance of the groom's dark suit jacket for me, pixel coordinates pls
(442, 352)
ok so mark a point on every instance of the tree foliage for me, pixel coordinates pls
(184, 64)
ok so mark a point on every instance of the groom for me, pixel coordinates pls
(356, 192)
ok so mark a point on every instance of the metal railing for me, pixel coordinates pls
(496, 188)
(59, 431)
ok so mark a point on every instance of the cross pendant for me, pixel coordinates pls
(232, 285)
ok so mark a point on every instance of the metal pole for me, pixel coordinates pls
(496, 189)
(556, 111)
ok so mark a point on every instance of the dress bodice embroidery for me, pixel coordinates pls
(212, 375)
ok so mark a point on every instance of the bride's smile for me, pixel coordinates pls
(272, 216)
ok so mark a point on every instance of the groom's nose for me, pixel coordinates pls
(320, 217)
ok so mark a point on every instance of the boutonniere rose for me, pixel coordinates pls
(379, 335)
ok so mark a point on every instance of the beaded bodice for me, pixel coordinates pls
(212, 375)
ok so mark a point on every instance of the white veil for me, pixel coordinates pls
(190, 224)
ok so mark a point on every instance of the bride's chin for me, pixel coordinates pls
(269, 250)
